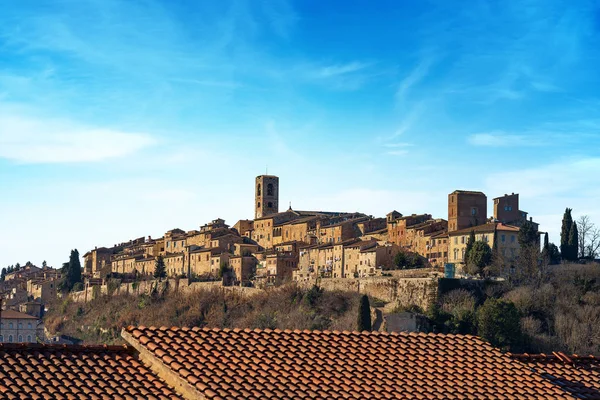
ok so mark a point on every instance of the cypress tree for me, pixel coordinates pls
(3, 275)
(546, 243)
(160, 270)
(574, 242)
(470, 242)
(565, 233)
(364, 314)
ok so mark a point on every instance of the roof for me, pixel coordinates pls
(36, 371)
(485, 228)
(575, 374)
(468, 192)
(258, 364)
(10, 314)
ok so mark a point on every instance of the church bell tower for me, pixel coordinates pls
(267, 196)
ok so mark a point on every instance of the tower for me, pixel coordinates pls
(266, 196)
(465, 209)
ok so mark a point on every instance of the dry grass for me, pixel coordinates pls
(288, 307)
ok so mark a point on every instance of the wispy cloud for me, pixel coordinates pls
(38, 141)
(397, 152)
(413, 78)
(341, 69)
(502, 139)
(396, 145)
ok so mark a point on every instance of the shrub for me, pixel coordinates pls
(498, 321)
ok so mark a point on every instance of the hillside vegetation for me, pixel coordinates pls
(289, 307)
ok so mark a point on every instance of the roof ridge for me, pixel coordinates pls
(69, 347)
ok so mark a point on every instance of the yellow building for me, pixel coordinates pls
(506, 241)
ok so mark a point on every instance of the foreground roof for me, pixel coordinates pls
(275, 364)
(35, 371)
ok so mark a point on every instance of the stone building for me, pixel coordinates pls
(16, 327)
(506, 211)
(267, 196)
(465, 209)
(95, 260)
(504, 235)
(42, 289)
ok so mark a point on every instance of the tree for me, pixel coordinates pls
(565, 232)
(71, 272)
(44, 264)
(470, 242)
(553, 254)
(589, 237)
(3, 275)
(573, 242)
(480, 256)
(17, 266)
(498, 321)
(160, 270)
(223, 269)
(364, 314)
(527, 235)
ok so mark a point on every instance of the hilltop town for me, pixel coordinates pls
(278, 246)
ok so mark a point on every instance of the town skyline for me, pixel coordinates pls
(121, 119)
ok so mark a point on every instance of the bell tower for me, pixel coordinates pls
(266, 196)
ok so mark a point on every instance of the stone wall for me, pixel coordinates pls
(397, 292)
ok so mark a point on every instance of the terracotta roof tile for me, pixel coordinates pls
(58, 371)
(346, 365)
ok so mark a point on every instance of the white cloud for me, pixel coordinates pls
(341, 69)
(38, 141)
(415, 76)
(502, 139)
(396, 145)
(397, 152)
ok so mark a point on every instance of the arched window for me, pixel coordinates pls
(258, 191)
(29, 338)
(29, 325)
(270, 189)
(20, 338)
(258, 205)
(10, 339)
(269, 204)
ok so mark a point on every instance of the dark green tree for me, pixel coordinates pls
(364, 314)
(495, 242)
(17, 266)
(527, 235)
(480, 256)
(400, 259)
(553, 254)
(470, 243)
(573, 242)
(71, 272)
(3, 274)
(498, 321)
(565, 232)
(160, 271)
(44, 264)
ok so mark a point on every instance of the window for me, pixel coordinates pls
(462, 240)
(258, 205)
(270, 189)
(258, 192)
(455, 240)
(29, 338)
(20, 338)
(10, 326)
(473, 211)
(10, 339)
(29, 325)
(512, 238)
(503, 238)
(270, 204)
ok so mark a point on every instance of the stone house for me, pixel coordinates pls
(16, 327)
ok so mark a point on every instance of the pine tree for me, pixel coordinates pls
(364, 314)
(573, 242)
(527, 235)
(565, 232)
(3, 275)
(160, 270)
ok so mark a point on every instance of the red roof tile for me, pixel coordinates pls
(65, 372)
(253, 364)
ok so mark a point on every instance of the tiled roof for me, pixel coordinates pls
(10, 314)
(275, 364)
(34, 371)
(485, 228)
(575, 374)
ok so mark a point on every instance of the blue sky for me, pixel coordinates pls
(120, 119)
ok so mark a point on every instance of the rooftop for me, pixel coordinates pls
(485, 228)
(10, 314)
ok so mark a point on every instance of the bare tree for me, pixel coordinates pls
(589, 237)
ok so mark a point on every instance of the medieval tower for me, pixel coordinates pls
(267, 196)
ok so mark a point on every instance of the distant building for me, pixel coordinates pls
(465, 209)
(16, 327)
